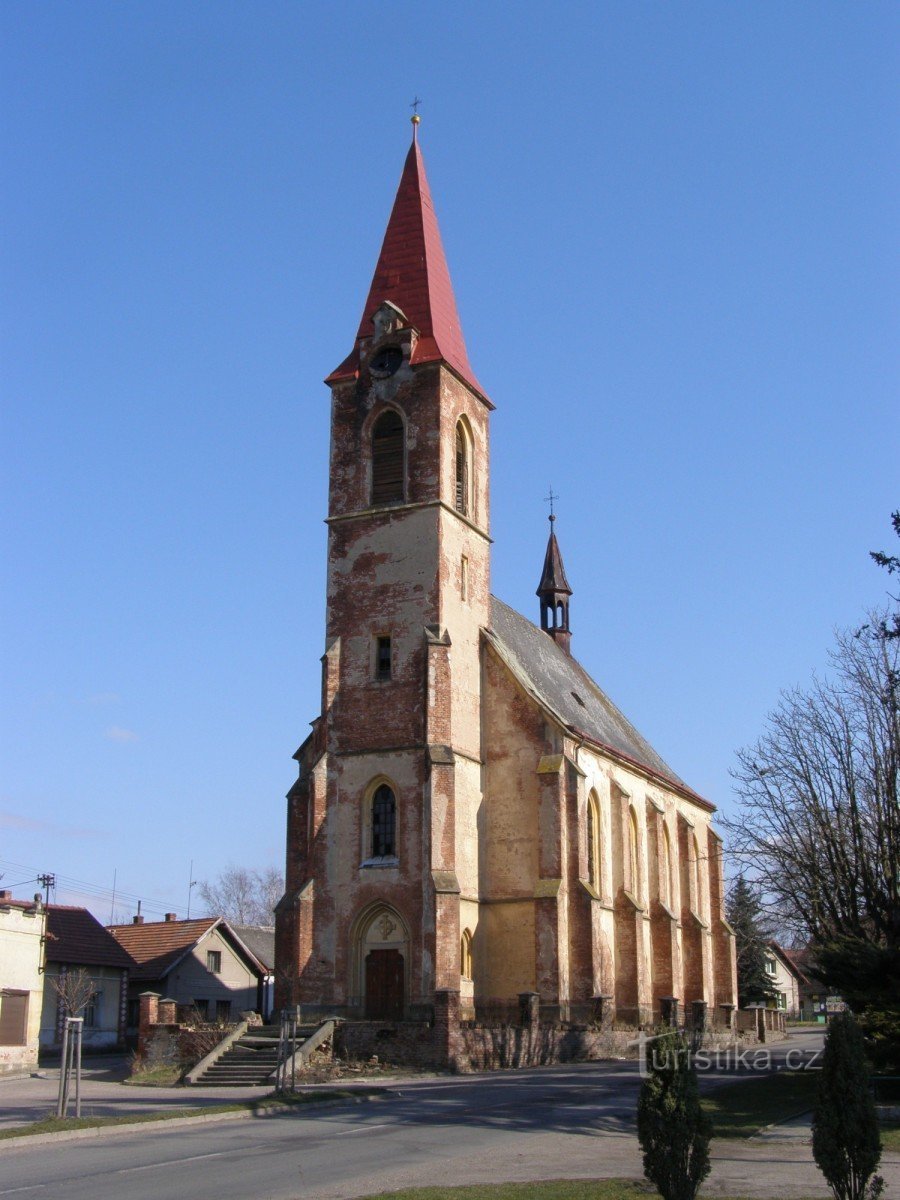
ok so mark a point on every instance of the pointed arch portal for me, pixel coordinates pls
(380, 963)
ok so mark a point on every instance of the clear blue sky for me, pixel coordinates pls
(672, 228)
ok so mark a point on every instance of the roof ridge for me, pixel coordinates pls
(553, 673)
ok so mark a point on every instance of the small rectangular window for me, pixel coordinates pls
(214, 961)
(464, 578)
(91, 1011)
(383, 658)
(202, 1007)
(223, 1010)
(13, 1017)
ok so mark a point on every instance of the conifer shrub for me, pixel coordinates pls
(673, 1129)
(846, 1141)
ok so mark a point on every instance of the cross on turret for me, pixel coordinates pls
(553, 591)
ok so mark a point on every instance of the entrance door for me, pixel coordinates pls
(384, 985)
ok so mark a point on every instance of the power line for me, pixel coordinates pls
(94, 891)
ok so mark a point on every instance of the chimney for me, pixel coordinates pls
(38, 901)
(5, 894)
(171, 916)
(138, 920)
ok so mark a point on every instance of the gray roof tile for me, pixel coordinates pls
(563, 685)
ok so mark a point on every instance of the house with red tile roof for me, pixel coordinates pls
(22, 931)
(84, 972)
(202, 964)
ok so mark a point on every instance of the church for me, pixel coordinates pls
(473, 816)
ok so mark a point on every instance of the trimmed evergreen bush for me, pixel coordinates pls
(673, 1129)
(846, 1141)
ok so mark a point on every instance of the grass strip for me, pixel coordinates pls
(66, 1124)
(555, 1189)
(743, 1108)
(890, 1135)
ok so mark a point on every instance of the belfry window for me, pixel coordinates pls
(387, 459)
(462, 471)
(383, 659)
(384, 823)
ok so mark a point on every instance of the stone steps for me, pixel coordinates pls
(251, 1061)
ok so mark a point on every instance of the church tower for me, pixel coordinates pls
(390, 778)
(476, 830)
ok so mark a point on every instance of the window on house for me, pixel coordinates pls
(382, 658)
(384, 822)
(91, 1011)
(465, 955)
(593, 841)
(770, 966)
(202, 1007)
(214, 961)
(462, 471)
(387, 459)
(13, 1017)
(223, 1010)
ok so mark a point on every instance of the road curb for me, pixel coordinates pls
(25, 1140)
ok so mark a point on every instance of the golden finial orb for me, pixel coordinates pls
(415, 118)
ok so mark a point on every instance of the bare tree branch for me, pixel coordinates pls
(819, 826)
(243, 896)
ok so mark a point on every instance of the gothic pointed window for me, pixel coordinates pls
(696, 877)
(593, 841)
(384, 823)
(387, 459)
(633, 853)
(465, 955)
(462, 471)
(665, 869)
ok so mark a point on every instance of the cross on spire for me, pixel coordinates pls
(415, 106)
(552, 496)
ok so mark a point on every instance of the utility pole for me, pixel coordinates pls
(47, 882)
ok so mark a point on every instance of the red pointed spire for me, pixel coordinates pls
(412, 273)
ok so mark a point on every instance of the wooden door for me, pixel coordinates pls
(384, 985)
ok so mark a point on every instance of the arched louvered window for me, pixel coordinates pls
(462, 471)
(387, 459)
(384, 823)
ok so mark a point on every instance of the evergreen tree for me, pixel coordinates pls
(846, 1142)
(751, 941)
(673, 1129)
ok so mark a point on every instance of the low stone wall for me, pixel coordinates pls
(163, 1038)
(768, 1024)
(450, 1043)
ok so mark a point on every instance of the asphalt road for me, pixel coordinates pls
(572, 1121)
